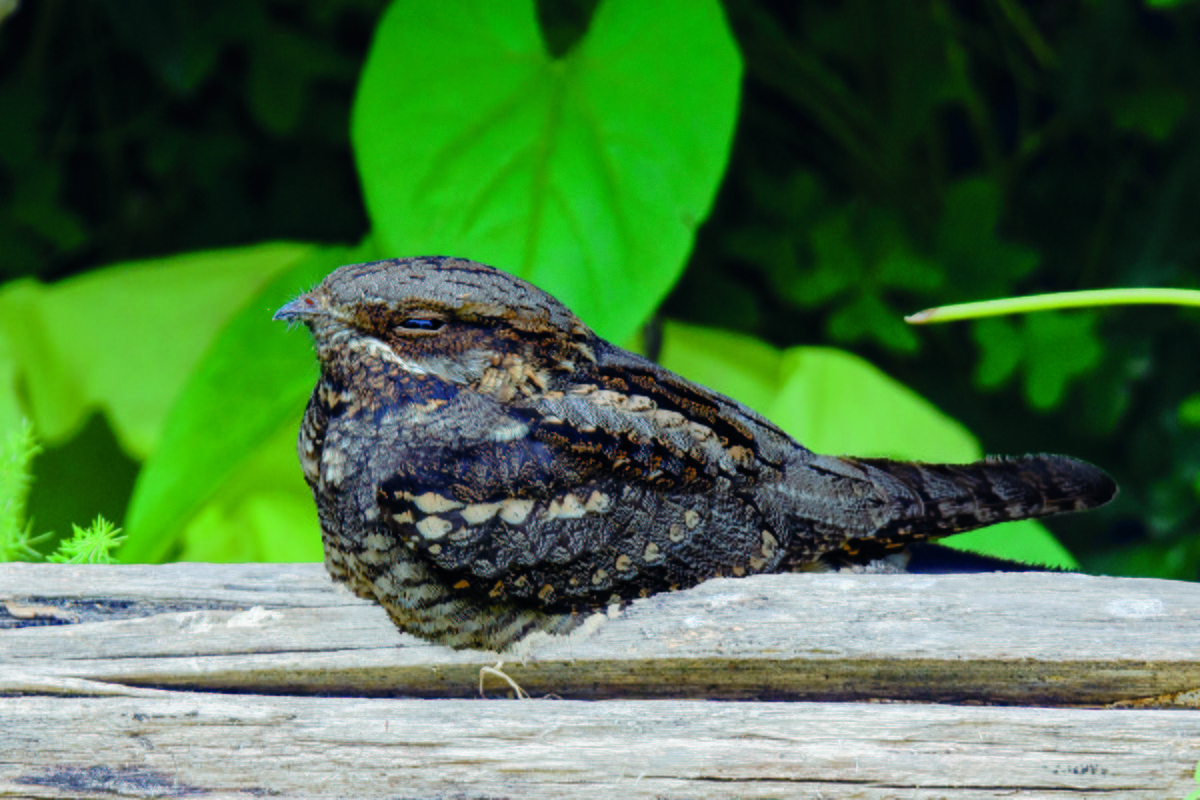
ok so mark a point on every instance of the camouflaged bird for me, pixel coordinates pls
(484, 466)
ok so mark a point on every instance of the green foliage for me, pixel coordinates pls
(91, 545)
(251, 383)
(137, 128)
(1054, 349)
(125, 339)
(1189, 412)
(17, 542)
(889, 156)
(576, 172)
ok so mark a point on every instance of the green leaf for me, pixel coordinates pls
(860, 256)
(262, 511)
(179, 42)
(740, 366)
(834, 402)
(1170, 4)
(829, 400)
(899, 266)
(1026, 541)
(1170, 560)
(283, 67)
(587, 175)
(869, 315)
(1189, 411)
(36, 204)
(1154, 112)
(1058, 348)
(125, 338)
(967, 243)
(91, 545)
(1000, 350)
(255, 377)
(837, 403)
(18, 447)
(1054, 348)
(12, 417)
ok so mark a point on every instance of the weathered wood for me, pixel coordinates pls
(83, 718)
(1032, 638)
(241, 746)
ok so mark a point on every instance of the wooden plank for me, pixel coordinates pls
(1030, 638)
(180, 744)
(86, 721)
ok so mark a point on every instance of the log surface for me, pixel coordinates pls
(242, 680)
(214, 745)
(1030, 638)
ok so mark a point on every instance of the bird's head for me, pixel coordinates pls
(445, 318)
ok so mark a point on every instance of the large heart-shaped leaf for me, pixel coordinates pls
(587, 174)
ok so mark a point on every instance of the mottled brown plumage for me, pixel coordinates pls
(484, 466)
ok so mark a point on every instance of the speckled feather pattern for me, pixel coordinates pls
(484, 466)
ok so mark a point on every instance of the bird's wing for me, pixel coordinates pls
(608, 477)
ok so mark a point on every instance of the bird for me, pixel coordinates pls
(485, 467)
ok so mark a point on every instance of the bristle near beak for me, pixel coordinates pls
(298, 310)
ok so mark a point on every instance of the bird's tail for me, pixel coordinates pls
(934, 500)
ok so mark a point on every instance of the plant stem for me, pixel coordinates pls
(1056, 301)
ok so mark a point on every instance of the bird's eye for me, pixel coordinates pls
(421, 324)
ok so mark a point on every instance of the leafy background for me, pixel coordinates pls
(754, 192)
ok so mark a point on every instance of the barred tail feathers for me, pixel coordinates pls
(943, 499)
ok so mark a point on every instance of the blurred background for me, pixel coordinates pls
(755, 192)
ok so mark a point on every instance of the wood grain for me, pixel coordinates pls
(182, 744)
(243, 680)
(1032, 638)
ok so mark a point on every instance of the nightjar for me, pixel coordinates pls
(484, 466)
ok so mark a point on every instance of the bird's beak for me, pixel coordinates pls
(302, 308)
